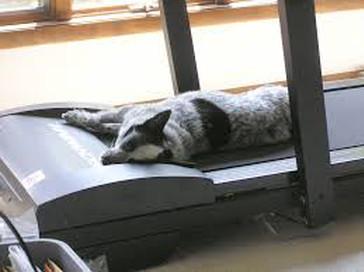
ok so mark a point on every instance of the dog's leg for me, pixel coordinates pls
(109, 128)
(108, 121)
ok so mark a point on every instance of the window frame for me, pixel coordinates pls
(125, 8)
(52, 10)
(51, 24)
(23, 16)
(61, 10)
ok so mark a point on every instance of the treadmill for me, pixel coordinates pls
(126, 211)
(133, 214)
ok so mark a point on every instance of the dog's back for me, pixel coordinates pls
(202, 121)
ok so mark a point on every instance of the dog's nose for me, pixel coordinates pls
(106, 160)
(108, 157)
(114, 156)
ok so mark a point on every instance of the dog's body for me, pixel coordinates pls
(192, 123)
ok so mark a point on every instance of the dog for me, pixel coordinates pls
(189, 124)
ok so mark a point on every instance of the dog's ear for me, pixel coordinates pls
(157, 122)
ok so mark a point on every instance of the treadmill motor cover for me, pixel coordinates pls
(58, 168)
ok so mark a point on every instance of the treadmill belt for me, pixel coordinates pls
(344, 109)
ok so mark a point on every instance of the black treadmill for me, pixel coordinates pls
(134, 213)
(111, 210)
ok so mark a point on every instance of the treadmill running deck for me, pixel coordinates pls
(345, 129)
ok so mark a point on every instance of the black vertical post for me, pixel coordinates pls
(301, 52)
(181, 56)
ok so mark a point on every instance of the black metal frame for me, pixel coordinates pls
(303, 69)
(179, 44)
(299, 36)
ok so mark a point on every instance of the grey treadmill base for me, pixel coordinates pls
(133, 213)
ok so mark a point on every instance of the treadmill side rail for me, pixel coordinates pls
(53, 109)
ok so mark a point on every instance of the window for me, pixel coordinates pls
(12, 11)
(19, 11)
(16, 5)
(87, 4)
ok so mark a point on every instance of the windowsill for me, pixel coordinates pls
(123, 23)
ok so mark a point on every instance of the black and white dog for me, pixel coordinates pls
(191, 123)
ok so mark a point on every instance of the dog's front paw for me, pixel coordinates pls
(72, 116)
(79, 118)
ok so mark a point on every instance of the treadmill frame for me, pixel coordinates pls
(303, 69)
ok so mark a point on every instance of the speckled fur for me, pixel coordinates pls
(258, 117)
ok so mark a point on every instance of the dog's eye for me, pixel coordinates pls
(128, 146)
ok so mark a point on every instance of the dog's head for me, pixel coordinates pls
(144, 141)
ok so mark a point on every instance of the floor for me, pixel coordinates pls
(252, 247)
(132, 68)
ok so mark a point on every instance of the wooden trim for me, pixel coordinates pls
(337, 5)
(127, 23)
(122, 8)
(207, 14)
(60, 10)
(99, 10)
